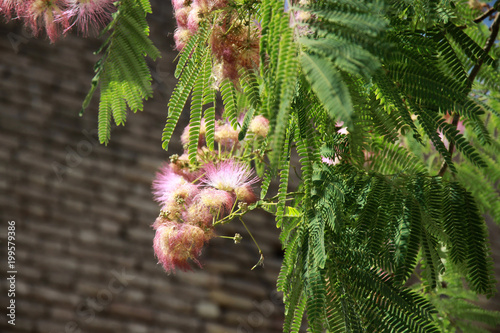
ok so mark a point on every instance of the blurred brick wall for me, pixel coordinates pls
(83, 211)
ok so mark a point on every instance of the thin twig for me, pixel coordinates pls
(472, 76)
(261, 258)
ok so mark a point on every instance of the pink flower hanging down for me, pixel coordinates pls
(48, 14)
(9, 6)
(177, 243)
(90, 14)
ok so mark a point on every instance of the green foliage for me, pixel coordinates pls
(458, 309)
(122, 72)
(192, 56)
(374, 97)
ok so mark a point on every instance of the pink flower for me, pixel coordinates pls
(199, 215)
(218, 201)
(460, 129)
(9, 6)
(201, 139)
(329, 161)
(177, 243)
(169, 185)
(245, 194)
(48, 14)
(342, 130)
(181, 37)
(193, 19)
(228, 175)
(178, 4)
(181, 168)
(90, 14)
(181, 16)
(226, 136)
(260, 126)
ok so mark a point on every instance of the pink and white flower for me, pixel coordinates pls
(260, 126)
(226, 136)
(177, 243)
(169, 185)
(330, 161)
(218, 201)
(228, 175)
(48, 14)
(90, 14)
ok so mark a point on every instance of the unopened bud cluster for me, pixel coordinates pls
(193, 197)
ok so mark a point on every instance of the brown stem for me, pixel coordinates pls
(487, 13)
(472, 76)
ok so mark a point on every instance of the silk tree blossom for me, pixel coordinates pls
(218, 201)
(180, 166)
(202, 135)
(226, 136)
(245, 194)
(228, 175)
(178, 4)
(168, 185)
(181, 37)
(55, 16)
(330, 161)
(199, 215)
(90, 14)
(343, 129)
(9, 6)
(175, 244)
(194, 18)
(260, 126)
(181, 17)
(48, 14)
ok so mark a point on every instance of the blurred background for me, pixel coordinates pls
(83, 211)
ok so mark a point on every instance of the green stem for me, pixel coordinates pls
(261, 259)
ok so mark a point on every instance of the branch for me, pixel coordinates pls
(472, 76)
(484, 15)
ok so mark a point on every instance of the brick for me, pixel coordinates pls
(241, 287)
(137, 328)
(200, 278)
(131, 312)
(216, 328)
(230, 301)
(29, 309)
(209, 310)
(168, 302)
(62, 314)
(48, 326)
(50, 296)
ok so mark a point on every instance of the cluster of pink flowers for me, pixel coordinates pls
(57, 17)
(188, 14)
(234, 42)
(193, 198)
